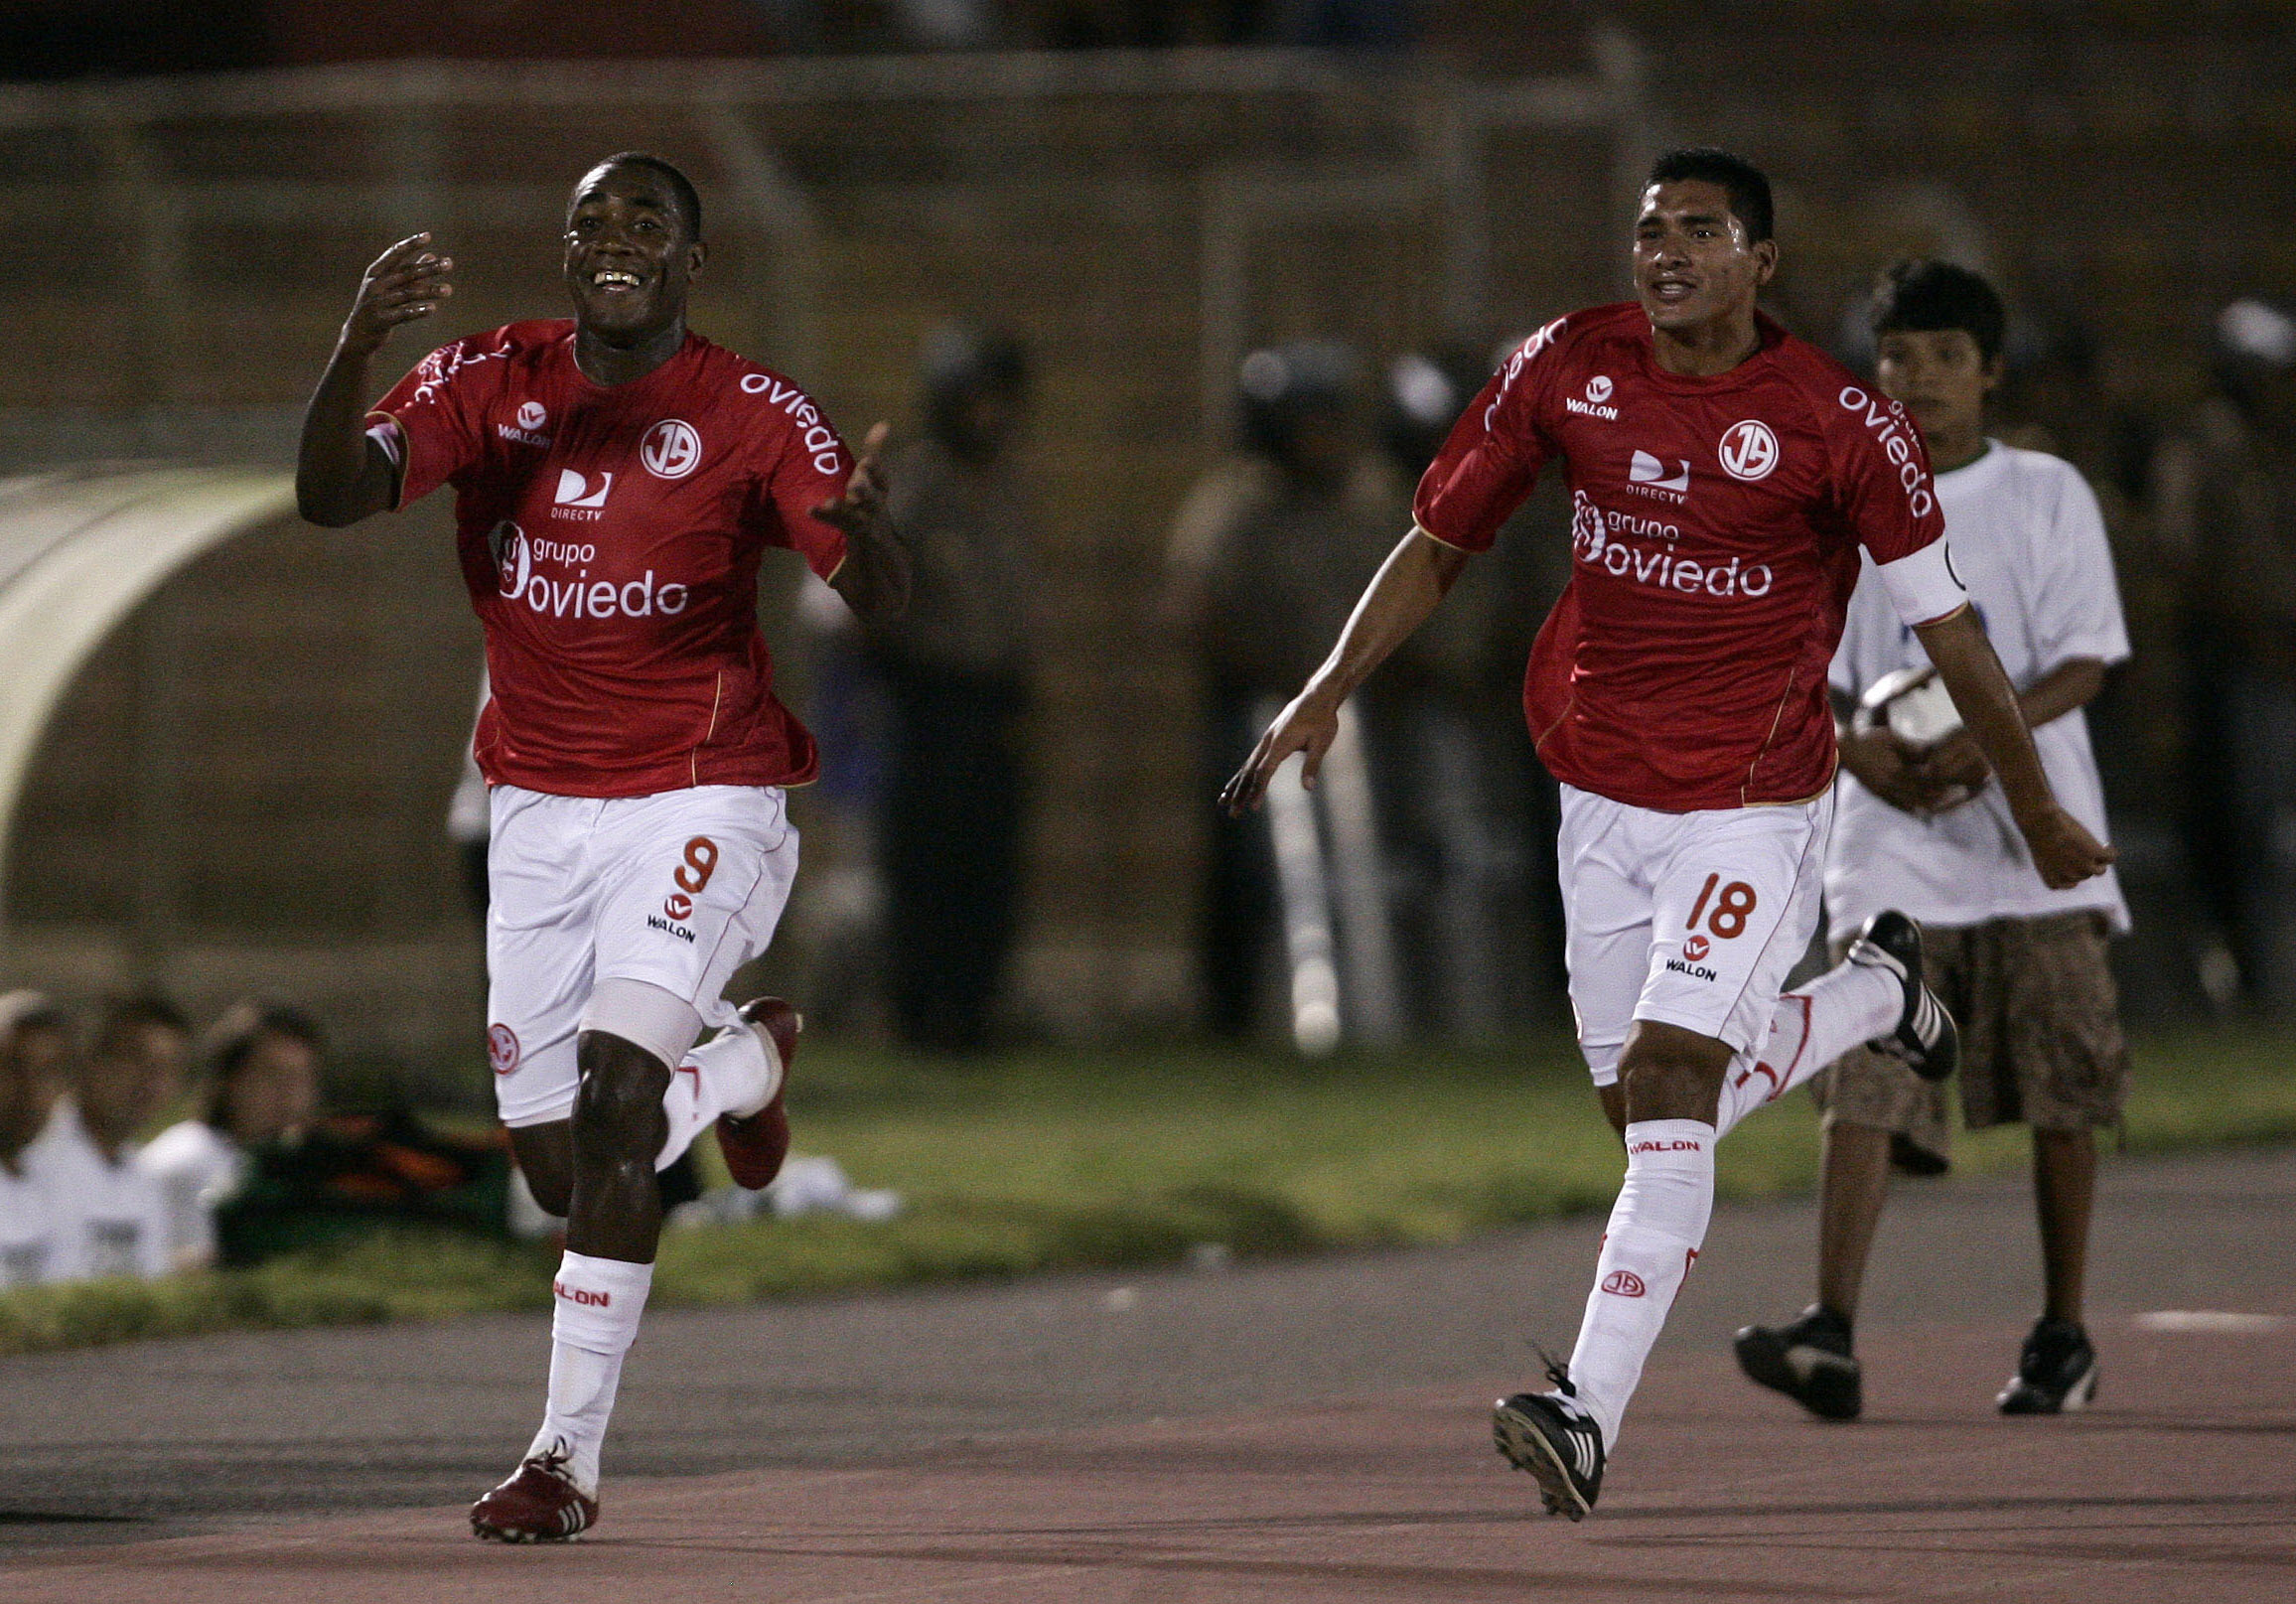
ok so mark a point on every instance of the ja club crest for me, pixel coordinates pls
(672, 449)
(1749, 449)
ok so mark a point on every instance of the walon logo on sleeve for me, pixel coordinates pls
(1598, 392)
(527, 431)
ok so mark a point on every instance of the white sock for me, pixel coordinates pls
(736, 1072)
(1849, 1005)
(598, 1306)
(1656, 1227)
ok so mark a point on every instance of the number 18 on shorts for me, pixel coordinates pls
(1686, 919)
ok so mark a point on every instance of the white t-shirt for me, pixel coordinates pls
(195, 1168)
(2030, 544)
(110, 1218)
(27, 1230)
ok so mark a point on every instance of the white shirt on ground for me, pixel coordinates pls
(2030, 544)
(195, 1168)
(110, 1218)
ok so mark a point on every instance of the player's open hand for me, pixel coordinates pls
(861, 509)
(2063, 849)
(1310, 726)
(406, 282)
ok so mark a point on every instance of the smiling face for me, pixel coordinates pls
(1694, 267)
(631, 254)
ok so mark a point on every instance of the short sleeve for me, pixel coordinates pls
(1884, 489)
(810, 468)
(2077, 603)
(1491, 460)
(439, 409)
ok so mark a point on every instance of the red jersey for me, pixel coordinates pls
(610, 537)
(1715, 525)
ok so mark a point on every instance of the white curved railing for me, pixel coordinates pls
(78, 550)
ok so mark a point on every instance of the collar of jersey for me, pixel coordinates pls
(566, 346)
(1753, 368)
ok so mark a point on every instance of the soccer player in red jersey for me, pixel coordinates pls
(1723, 476)
(616, 479)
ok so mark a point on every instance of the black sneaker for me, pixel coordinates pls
(2055, 1373)
(1926, 1040)
(1556, 1441)
(1808, 1360)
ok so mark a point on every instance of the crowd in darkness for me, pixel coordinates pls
(75, 39)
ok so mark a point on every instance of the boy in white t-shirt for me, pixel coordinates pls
(1920, 829)
(111, 1214)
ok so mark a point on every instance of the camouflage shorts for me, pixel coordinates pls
(2041, 1039)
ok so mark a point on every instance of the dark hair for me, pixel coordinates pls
(1920, 296)
(1746, 185)
(232, 1040)
(680, 187)
(120, 1017)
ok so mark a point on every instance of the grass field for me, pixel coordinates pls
(1048, 1161)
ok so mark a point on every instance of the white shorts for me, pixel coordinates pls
(1684, 919)
(677, 890)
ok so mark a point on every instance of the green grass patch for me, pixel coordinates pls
(1048, 1161)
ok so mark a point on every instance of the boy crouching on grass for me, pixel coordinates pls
(1920, 827)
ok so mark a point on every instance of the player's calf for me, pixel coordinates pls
(619, 1128)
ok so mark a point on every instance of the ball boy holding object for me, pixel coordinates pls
(1921, 827)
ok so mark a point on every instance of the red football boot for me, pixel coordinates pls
(538, 1504)
(755, 1146)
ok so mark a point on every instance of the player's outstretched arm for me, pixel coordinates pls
(1417, 574)
(2063, 850)
(341, 475)
(873, 578)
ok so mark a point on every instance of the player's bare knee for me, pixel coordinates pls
(620, 1101)
(1669, 1073)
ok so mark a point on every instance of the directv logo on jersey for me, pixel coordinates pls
(1648, 475)
(1598, 391)
(576, 500)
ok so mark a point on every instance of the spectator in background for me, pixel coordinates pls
(1464, 807)
(2224, 488)
(262, 1093)
(28, 1235)
(1265, 562)
(41, 1034)
(956, 671)
(265, 1171)
(110, 1215)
